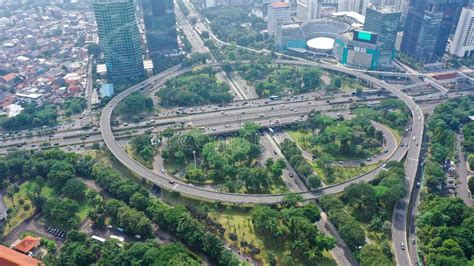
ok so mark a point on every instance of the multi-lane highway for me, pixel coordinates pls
(169, 183)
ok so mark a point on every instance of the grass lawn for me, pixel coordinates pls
(239, 222)
(300, 136)
(18, 214)
(130, 151)
(343, 173)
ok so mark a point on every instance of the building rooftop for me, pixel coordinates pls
(27, 244)
(351, 14)
(10, 257)
(280, 5)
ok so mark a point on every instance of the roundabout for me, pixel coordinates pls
(167, 182)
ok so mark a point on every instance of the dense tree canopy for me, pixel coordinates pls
(355, 138)
(235, 24)
(32, 116)
(134, 105)
(292, 228)
(79, 249)
(446, 229)
(194, 89)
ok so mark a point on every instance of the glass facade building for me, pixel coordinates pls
(160, 27)
(383, 21)
(119, 38)
(428, 26)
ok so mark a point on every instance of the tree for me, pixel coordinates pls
(353, 234)
(250, 132)
(94, 50)
(471, 184)
(362, 198)
(292, 200)
(74, 188)
(4, 170)
(134, 105)
(314, 181)
(61, 213)
(372, 255)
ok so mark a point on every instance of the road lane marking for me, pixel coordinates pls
(175, 186)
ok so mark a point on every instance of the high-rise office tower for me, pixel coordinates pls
(278, 13)
(358, 6)
(384, 22)
(428, 26)
(463, 40)
(119, 37)
(307, 9)
(160, 27)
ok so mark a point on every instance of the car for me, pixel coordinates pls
(418, 184)
(413, 240)
(401, 145)
(291, 175)
(414, 138)
(402, 246)
(369, 159)
(163, 170)
(385, 151)
(171, 182)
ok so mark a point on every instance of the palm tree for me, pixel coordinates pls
(10, 194)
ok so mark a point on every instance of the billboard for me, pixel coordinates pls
(365, 36)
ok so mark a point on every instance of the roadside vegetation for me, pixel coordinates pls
(46, 182)
(235, 24)
(32, 116)
(80, 249)
(74, 105)
(445, 225)
(197, 88)
(447, 119)
(294, 156)
(134, 106)
(332, 141)
(342, 139)
(143, 150)
(391, 112)
(270, 79)
(232, 162)
(52, 182)
(364, 211)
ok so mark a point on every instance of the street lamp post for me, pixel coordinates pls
(194, 156)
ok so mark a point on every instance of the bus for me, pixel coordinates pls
(274, 97)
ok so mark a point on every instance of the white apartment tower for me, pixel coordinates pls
(278, 13)
(463, 41)
(307, 9)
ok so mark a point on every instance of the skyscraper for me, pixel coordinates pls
(278, 13)
(358, 6)
(160, 27)
(119, 37)
(428, 26)
(384, 22)
(307, 9)
(463, 40)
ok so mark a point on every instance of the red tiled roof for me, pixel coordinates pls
(280, 4)
(27, 244)
(10, 257)
(9, 77)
